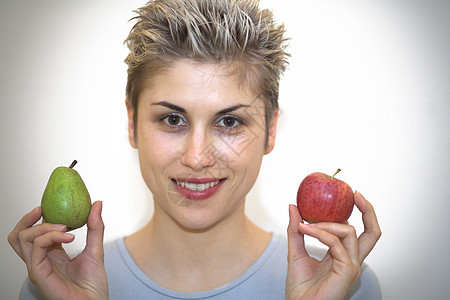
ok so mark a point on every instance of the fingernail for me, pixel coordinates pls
(69, 235)
(59, 226)
(290, 207)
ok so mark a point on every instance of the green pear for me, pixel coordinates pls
(66, 199)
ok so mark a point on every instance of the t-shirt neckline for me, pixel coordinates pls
(139, 274)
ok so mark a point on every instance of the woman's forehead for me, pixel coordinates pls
(187, 78)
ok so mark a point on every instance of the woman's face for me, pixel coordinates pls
(200, 136)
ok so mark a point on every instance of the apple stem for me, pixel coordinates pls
(73, 164)
(338, 170)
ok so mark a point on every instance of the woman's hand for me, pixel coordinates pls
(50, 268)
(331, 278)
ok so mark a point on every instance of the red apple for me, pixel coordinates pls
(323, 198)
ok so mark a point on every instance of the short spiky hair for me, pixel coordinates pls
(234, 32)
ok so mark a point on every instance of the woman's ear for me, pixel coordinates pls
(272, 133)
(130, 113)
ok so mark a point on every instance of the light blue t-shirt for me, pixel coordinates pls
(265, 279)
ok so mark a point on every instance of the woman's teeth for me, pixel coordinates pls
(197, 186)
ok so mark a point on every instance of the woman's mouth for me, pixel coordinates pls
(197, 188)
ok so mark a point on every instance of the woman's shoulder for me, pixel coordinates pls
(111, 247)
(116, 256)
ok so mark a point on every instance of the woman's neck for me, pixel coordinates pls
(197, 260)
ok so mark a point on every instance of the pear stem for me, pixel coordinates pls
(338, 170)
(73, 164)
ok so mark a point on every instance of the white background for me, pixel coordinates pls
(367, 90)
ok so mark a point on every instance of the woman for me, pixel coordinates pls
(202, 106)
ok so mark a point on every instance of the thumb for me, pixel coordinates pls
(296, 241)
(95, 231)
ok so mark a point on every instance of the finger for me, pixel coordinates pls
(27, 237)
(95, 233)
(40, 267)
(343, 266)
(336, 248)
(347, 235)
(27, 221)
(296, 242)
(372, 231)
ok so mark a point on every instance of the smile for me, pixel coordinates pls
(198, 188)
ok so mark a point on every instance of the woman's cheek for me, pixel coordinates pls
(235, 144)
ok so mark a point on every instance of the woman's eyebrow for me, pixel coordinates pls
(171, 106)
(230, 109)
(182, 110)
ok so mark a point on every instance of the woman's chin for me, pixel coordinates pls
(196, 224)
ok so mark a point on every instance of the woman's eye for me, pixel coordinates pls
(173, 120)
(230, 123)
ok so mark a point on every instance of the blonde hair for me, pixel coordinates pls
(234, 32)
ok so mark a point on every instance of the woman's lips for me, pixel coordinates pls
(197, 188)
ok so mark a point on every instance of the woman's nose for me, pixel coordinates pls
(198, 151)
